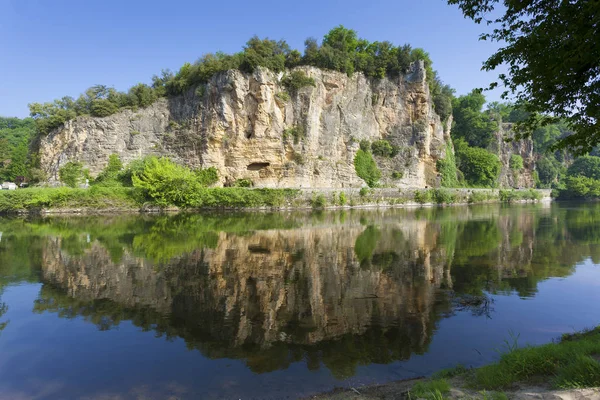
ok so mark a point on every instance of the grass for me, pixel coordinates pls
(98, 197)
(566, 364)
(431, 390)
(573, 362)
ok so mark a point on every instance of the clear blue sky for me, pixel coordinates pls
(53, 48)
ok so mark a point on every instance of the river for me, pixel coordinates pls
(284, 305)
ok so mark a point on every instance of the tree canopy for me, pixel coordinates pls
(341, 50)
(553, 58)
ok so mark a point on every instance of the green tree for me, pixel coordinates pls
(549, 170)
(470, 123)
(479, 166)
(553, 58)
(71, 174)
(366, 168)
(167, 183)
(588, 166)
(516, 162)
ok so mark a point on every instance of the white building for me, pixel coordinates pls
(9, 186)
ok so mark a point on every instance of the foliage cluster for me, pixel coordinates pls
(366, 167)
(447, 169)
(383, 148)
(479, 166)
(509, 196)
(296, 133)
(550, 52)
(340, 50)
(15, 139)
(516, 162)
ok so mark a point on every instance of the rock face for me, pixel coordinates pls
(504, 149)
(249, 127)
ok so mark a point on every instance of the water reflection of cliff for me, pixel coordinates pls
(341, 289)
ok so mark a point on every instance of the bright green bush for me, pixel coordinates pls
(111, 172)
(509, 196)
(588, 166)
(343, 199)
(207, 176)
(479, 166)
(71, 174)
(166, 183)
(366, 168)
(447, 168)
(580, 187)
(516, 162)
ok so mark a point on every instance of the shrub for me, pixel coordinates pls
(383, 148)
(397, 174)
(580, 187)
(111, 172)
(71, 174)
(297, 80)
(447, 169)
(588, 166)
(343, 199)
(296, 133)
(423, 196)
(318, 201)
(508, 196)
(243, 183)
(479, 166)
(443, 196)
(167, 183)
(208, 176)
(516, 162)
(283, 96)
(366, 168)
(364, 192)
(365, 145)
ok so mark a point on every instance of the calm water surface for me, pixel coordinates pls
(282, 305)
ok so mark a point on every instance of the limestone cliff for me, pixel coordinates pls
(505, 149)
(241, 123)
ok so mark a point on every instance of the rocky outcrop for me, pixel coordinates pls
(249, 127)
(505, 149)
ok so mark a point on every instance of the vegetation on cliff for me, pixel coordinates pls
(551, 50)
(340, 50)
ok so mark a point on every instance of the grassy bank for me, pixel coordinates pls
(98, 198)
(570, 363)
(573, 362)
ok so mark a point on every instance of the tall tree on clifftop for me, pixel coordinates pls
(552, 50)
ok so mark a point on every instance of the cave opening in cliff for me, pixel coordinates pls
(257, 166)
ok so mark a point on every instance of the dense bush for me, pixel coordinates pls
(366, 168)
(71, 174)
(443, 196)
(588, 166)
(297, 80)
(208, 176)
(479, 166)
(383, 148)
(167, 183)
(15, 138)
(580, 187)
(111, 173)
(516, 162)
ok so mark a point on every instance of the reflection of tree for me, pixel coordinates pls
(333, 289)
(3, 310)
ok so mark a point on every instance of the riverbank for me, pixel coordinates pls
(98, 199)
(568, 368)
